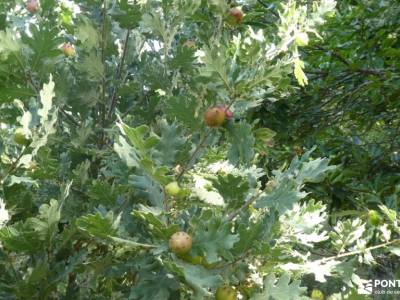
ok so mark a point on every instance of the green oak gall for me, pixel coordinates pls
(172, 188)
(301, 39)
(226, 293)
(20, 137)
(180, 242)
(317, 295)
(373, 218)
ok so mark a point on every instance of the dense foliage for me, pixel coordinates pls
(187, 149)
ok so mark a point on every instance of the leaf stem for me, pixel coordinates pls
(166, 203)
(199, 146)
(130, 243)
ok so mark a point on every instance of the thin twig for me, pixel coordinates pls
(359, 251)
(199, 146)
(131, 243)
(69, 117)
(338, 56)
(265, 5)
(119, 73)
(102, 110)
(335, 54)
(14, 165)
(245, 205)
(103, 47)
(166, 204)
(238, 259)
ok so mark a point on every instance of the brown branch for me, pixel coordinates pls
(334, 54)
(338, 56)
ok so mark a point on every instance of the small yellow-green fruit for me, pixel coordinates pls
(374, 218)
(317, 295)
(20, 138)
(214, 116)
(180, 242)
(226, 293)
(68, 49)
(301, 39)
(172, 188)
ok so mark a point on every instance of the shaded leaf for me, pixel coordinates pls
(281, 289)
(98, 225)
(241, 144)
(213, 237)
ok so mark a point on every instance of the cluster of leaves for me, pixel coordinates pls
(84, 209)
